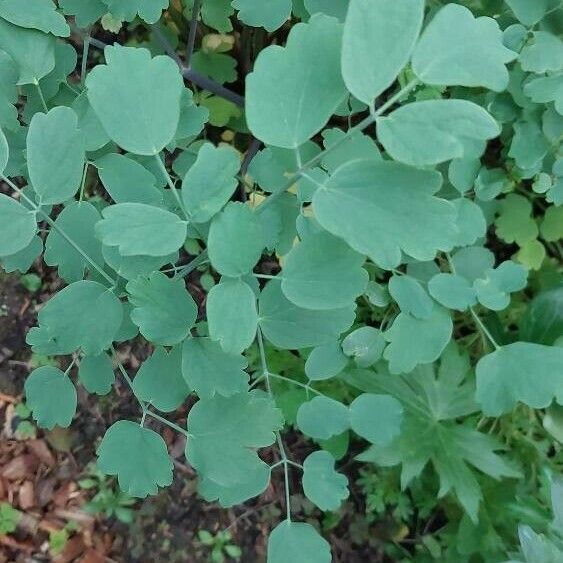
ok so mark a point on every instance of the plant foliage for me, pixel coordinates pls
(383, 199)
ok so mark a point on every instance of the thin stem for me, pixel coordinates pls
(195, 263)
(144, 406)
(192, 34)
(350, 133)
(483, 328)
(297, 383)
(83, 183)
(266, 373)
(42, 97)
(265, 277)
(171, 184)
(61, 232)
(168, 423)
(85, 51)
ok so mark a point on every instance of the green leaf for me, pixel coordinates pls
(17, 226)
(529, 144)
(131, 267)
(159, 380)
(127, 10)
(209, 370)
(452, 291)
(96, 374)
(163, 309)
(430, 432)
(141, 230)
(377, 418)
(288, 113)
(32, 51)
(210, 182)
(411, 297)
(23, 259)
(543, 54)
(383, 208)
(62, 329)
(530, 13)
(51, 396)
(85, 13)
(55, 155)
(136, 98)
(235, 241)
(494, 288)
(77, 221)
(515, 222)
(334, 8)
(127, 181)
(37, 14)
(434, 131)
(322, 485)
(365, 345)
(325, 362)
(415, 341)
(462, 173)
(322, 417)
(470, 221)
(379, 37)
(4, 152)
(520, 372)
(269, 15)
(458, 49)
(323, 272)
(138, 456)
(232, 315)
(294, 541)
(287, 326)
(543, 320)
(226, 431)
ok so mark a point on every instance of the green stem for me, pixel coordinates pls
(171, 185)
(266, 373)
(61, 232)
(85, 51)
(195, 263)
(297, 383)
(168, 423)
(83, 183)
(42, 97)
(350, 133)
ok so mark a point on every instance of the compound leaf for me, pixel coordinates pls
(85, 13)
(530, 13)
(232, 315)
(51, 396)
(323, 272)
(520, 372)
(163, 309)
(287, 326)
(210, 182)
(127, 181)
(37, 14)
(209, 370)
(77, 221)
(226, 431)
(295, 541)
(96, 374)
(496, 285)
(17, 226)
(138, 456)
(136, 98)
(383, 208)
(127, 10)
(269, 15)
(62, 327)
(288, 113)
(55, 155)
(322, 418)
(159, 380)
(411, 297)
(325, 361)
(452, 291)
(434, 131)
(543, 54)
(365, 345)
(235, 241)
(378, 39)
(138, 229)
(377, 418)
(322, 485)
(31, 50)
(417, 341)
(458, 49)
